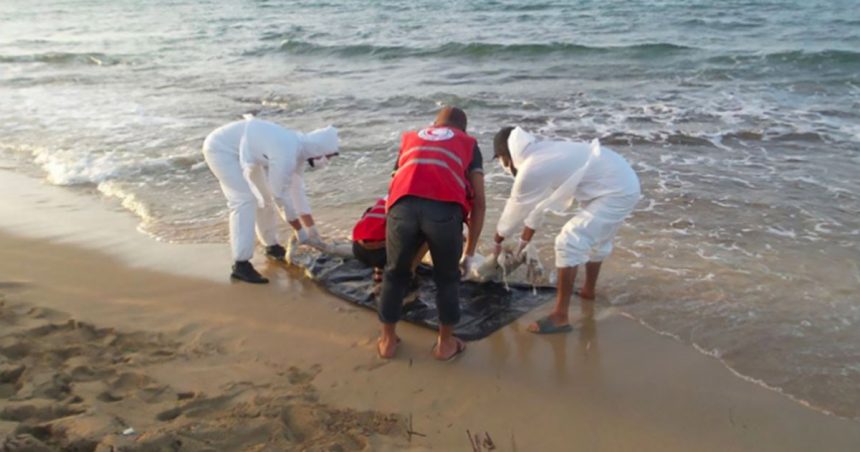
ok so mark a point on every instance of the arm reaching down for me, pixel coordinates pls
(526, 193)
(479, 210)
(471, 261)
(299, 196)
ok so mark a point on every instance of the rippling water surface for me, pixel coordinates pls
(741, 118)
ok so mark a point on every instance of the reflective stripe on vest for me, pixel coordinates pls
(444, 151)
(371, 226)
(432, 164)
(437, 162)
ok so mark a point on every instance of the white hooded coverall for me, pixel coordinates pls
(260, 166)
(550, 175)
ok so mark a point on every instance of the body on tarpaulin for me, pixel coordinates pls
(485, 307)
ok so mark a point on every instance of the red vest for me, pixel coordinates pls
(371, 226)
(432, 164)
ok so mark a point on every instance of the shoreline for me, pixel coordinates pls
(531, 393)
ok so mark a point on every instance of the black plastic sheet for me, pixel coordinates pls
(485, 307)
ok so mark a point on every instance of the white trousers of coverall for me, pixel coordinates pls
(245, 216)
(587, 237)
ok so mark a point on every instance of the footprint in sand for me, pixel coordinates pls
(298, 377)
(37, 410)
(24, 443)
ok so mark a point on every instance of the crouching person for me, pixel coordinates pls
(368, 238)
(548, 176)
(260, 167)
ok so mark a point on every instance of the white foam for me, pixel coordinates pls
(129, 200)
(650, 207)
(69, 168)
(715, 353)
(673, 271)
(782, 232)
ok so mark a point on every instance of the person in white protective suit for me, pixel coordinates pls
(260, 167)
(548, 176)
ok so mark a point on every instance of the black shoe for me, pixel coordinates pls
(276, 252)
(244, 271)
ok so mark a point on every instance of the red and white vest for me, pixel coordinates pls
(432, 165)
(371, 226)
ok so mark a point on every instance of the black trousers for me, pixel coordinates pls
(411, 222)
(372, 258)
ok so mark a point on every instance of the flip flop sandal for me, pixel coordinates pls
(545, 326)
(461, 347)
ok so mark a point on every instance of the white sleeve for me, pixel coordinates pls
(281, 173)
(557, 201)
(249, 165)
(525, 195)
(299, 195)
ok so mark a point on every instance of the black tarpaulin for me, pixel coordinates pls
(485, 307)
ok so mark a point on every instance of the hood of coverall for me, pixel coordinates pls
(319, 143)
(518, 144)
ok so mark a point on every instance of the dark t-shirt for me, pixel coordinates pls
(477, 161)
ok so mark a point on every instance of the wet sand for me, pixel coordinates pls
(116, 330)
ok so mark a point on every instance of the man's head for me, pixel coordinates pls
(502, 151)
(451, 117)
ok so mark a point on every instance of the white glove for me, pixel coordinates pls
(520, 250)
(302, 236)
(534, 268)
(469, 266)
(313, 234)
(512, 257)
(315, 241)
(528, 255)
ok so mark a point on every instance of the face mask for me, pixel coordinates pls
(318, 163)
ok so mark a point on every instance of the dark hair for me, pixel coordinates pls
(451, 116)
(500, 143)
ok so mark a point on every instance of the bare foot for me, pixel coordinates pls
(386, 347)
(448, 349)
(585, 294)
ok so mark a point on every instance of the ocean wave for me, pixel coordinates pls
(479, 50)
(128, 199)
(629, 138)
(723, 24)
(67, 168)
(793, 57)
(90, 58)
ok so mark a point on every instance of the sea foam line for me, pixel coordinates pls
(716, 355)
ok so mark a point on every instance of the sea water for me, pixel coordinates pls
(741, 117)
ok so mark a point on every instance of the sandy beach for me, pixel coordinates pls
(111, 340)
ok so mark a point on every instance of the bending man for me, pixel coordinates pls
(549, 175)
(260, 167)
(439, 169)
